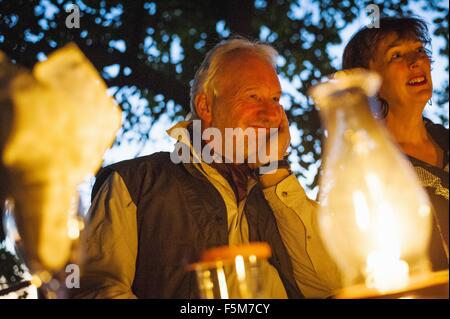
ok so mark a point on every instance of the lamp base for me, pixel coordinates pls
(431, 286)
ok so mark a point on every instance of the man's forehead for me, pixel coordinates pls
(245, 68)
(242, 56)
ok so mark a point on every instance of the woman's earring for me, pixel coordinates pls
(379, 107)
(384, 108)
(430, 102)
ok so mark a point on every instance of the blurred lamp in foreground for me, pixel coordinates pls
(56, 122)
(233, 272)
(375, 218)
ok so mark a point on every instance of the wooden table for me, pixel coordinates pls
(432, 286)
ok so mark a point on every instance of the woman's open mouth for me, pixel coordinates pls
(417, 81)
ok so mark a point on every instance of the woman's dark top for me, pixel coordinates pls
(435, 181)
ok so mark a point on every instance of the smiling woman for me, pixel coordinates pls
(398, 51)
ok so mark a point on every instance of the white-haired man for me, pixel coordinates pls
(151, 215)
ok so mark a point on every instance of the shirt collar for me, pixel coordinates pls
(180, 131)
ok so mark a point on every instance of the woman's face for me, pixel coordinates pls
(405, 70)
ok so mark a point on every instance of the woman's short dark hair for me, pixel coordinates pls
(361, 48)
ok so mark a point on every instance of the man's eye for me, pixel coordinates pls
(276, 99)
(253, 96)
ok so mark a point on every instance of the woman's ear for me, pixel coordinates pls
(203, 108)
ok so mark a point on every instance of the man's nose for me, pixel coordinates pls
(270, 111)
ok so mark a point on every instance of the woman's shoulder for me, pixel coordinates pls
(439, 133)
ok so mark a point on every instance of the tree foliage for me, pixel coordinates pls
(149, 50)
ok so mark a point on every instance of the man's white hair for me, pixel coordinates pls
(208, 70)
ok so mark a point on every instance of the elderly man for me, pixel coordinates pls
(150, 215)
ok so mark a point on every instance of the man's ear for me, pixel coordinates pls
(203, 108)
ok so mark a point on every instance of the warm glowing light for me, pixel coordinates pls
(424, 210)
(44, 276)
(374, 216)
(36, 281)
(222, 283)
(233, 271)
(73, 228)
(207, 274)
(206, 284)
(240, 272)
(384, 272)
(375, 185)
(361, 210)
(240, 267)
(80, 224)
